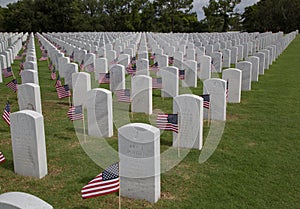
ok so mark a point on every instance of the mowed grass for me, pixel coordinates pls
(256, 164)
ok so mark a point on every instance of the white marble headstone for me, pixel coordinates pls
(99, 112)
(141, 94)
(28, 143)
(29, 97)
(189, 108)
(139, 153)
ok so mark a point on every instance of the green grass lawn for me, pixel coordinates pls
(256, 164)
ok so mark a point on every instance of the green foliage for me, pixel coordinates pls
(219, 15)
(272, 15)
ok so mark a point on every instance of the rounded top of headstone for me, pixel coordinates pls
(31, 113)
(21, 200)
(132, 130)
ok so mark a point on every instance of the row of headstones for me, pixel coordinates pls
(27, 134)
(10, 47)
(140, 177)
(146, 185)
(100, 102)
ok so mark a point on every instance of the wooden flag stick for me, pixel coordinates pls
(208, 115)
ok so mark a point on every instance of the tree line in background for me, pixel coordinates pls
(145, 15)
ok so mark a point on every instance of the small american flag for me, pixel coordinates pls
(63, 91)
(123, 95)
(2, 158)
(181, 74)
(206, 100)
(131, 69)
(58, 83)
(167, 122)
(90, 67)
(53, 74)
(106, 182)
(104, 78)
(6, 114)
(156, 83)
(75, 113)
(13, 85)
(154, 67)
(7, 72)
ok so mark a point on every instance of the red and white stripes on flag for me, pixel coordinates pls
(156, 83)
(13, 85)
(206, 100)
(167, 122)
(6, 114)
(63, 91)
(123, 95)
(2, 158)
(105, 183)
(75, 113)
(53, 75)
(227, 91)
(7, 72)
(104, 78)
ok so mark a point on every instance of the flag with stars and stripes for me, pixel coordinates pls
(63, 91)
(2, 158)
(53, 74)
(7, 72)
(6, 114)
(156, 83)
(154, 67)
(167, 122)
(123, 95)
(106, 182)
(104, 78)
(75, 113)
(206, 100)
(13, 85)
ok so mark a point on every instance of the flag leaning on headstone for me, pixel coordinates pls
(13, 85)
(2, 158)
(7, 72)
(123, 95)
(6, 113)
(21, 67)
(75, 113)
(181, 74)
(156, 83)
(206, 100)
(104, 78)
(167, 122)
(106, 182)
(63, 91)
